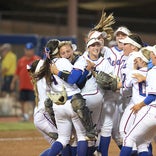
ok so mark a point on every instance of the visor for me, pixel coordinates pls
(130, 41)
(151, 48)
(92, 41)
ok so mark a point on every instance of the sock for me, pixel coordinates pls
(143, 154)
(45, 153)
(150, 149)
(91, 150)
(120, 146)
(73, 150)
(104, 145)
(66, 151)
(26, 116)
(82, 148)
(134, 153)
(126, 151)
(55, 149)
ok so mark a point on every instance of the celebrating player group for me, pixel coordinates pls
(85, 99)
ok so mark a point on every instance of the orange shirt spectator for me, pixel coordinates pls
(26, 91)
(21, 71)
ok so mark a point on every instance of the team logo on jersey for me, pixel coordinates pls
(115, 62)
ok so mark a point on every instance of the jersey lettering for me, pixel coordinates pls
(142, 89)
(115, 62)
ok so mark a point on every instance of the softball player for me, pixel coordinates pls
(42, 119)
(105, 118)
(143, 130)
(64, 114)
(91, 92)
(138, 91)
(105, 108)
(132, 45)
(68, 50)
(116, 59)
(117, 50)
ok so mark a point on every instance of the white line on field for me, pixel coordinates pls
(21, 139)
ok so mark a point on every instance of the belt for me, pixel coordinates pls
(153, 105)
(69, 97)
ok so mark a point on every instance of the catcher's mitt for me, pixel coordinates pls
(106, 81)
(58, 98)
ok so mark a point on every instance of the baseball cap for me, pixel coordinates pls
(92, 41)
(29, 46)
(96, 34)
(133, 39)
(151, 48)
(5, 46)
(123, 30)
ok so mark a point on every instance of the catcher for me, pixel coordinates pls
(65, 116)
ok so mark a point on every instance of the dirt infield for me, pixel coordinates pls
(31, 143)
(22, 143)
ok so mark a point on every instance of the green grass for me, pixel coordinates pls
(17, 126)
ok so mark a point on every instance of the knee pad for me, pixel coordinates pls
(77, 102)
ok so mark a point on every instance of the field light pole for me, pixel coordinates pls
(72, 18)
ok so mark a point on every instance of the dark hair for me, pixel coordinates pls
(33, 66)
(136, 38)
(52, 48)
(43, 72)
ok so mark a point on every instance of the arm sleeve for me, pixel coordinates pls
(72, 77)
(149, 99)
(81, 82)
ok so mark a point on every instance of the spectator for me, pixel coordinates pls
(8, 67)
(26, 92)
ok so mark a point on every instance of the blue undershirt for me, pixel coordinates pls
(150, 98)
(75, 76)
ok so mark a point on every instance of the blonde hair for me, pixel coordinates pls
(146, 53)
(62, 43)
(105, 25)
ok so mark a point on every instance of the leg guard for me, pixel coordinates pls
(79, 106)
(53, 135)
(49, 108)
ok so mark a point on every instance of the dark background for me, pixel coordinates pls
(138, 15)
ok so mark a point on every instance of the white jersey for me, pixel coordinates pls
(42, 94)
(100, 65)
(143, 130)
(138, 89)
(115, 58)
(125, 69)
(151, 85)
(65, 116)
(129, 64)
(42, 120)
(64, 65)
